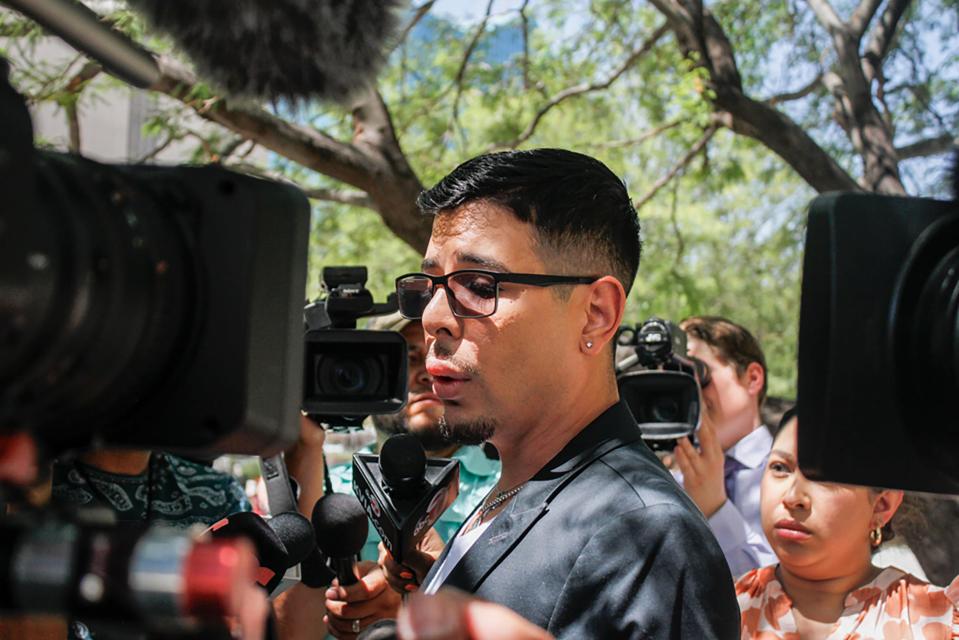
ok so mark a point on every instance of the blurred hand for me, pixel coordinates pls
(367, 601)
(18, 459)
(452, 615)
(300, 613)
(703, 469)
(408, 577)
(312, 435)
(304, 461)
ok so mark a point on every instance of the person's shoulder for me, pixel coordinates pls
(754, 583)
(188, 470)
(897, 584)
(643, 476)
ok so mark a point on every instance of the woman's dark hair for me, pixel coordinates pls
(585, 221)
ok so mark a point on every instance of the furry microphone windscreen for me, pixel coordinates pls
(294, 50)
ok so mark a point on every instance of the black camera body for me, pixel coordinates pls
(658, 382)
(147, 307)
(350, 373)
(879, 342)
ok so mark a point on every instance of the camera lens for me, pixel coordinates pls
(344, 375)
(104, 292)
(349, 377)
(665, 409)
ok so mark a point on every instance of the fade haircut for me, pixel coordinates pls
(584, 220)
(734, 344)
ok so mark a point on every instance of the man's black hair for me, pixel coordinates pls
(580, 209)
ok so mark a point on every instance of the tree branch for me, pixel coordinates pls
(679, 166)
(309, 147)
(421, 11)
(641, 138)
(583, 88)
(352, 198)
(740, 113)
(882, 37)
(342, 196)
(467, 54)
(928, 147)
(862, 16)
(827, 16)
(798, 94)
(524, 20)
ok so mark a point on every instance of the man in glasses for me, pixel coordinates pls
(524, 284)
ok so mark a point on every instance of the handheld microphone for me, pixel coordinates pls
(404, 492)
(341, 529)
(283, 49)
(280, 542)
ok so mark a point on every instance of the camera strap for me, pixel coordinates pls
(279, 487)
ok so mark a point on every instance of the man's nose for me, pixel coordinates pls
(438, 318)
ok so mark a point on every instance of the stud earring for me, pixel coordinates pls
(589, 345)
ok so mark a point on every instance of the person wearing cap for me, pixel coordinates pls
(421, 417)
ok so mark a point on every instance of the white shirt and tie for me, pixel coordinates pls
(737, 524)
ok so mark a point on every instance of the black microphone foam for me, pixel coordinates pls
(271, 553)
(340, 524)
(403, 462)
(279, 49)
(296, 533)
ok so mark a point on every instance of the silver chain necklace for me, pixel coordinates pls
(500, 498)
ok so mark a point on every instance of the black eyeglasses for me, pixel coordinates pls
(471, 294)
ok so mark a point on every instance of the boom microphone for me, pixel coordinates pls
(280, 542)
(282, 49)
(404, 492)
(341, 529)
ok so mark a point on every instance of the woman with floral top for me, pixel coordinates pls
(825, 585)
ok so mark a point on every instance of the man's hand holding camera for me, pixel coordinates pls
(703, 469)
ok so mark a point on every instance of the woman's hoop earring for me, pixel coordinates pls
(875, 537)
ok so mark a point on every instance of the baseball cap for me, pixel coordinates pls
(390, 322)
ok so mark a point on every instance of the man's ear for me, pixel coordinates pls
(885, 507)
(754, 378)
(605, 305)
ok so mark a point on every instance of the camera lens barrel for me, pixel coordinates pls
(103, 293)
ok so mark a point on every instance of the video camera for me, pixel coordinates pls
(879, 342)
(658, 382)
(350, 373)
(146, 307)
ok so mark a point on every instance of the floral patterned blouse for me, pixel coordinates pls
(894, 606)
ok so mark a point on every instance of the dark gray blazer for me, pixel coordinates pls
(603, 543)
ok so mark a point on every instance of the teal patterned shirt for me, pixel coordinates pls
(478, 474)
(171, 490)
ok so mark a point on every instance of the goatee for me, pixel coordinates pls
(473, 432)
(432, 438)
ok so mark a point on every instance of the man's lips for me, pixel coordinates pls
(439, 369)
(791, 530)
(447, 380)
